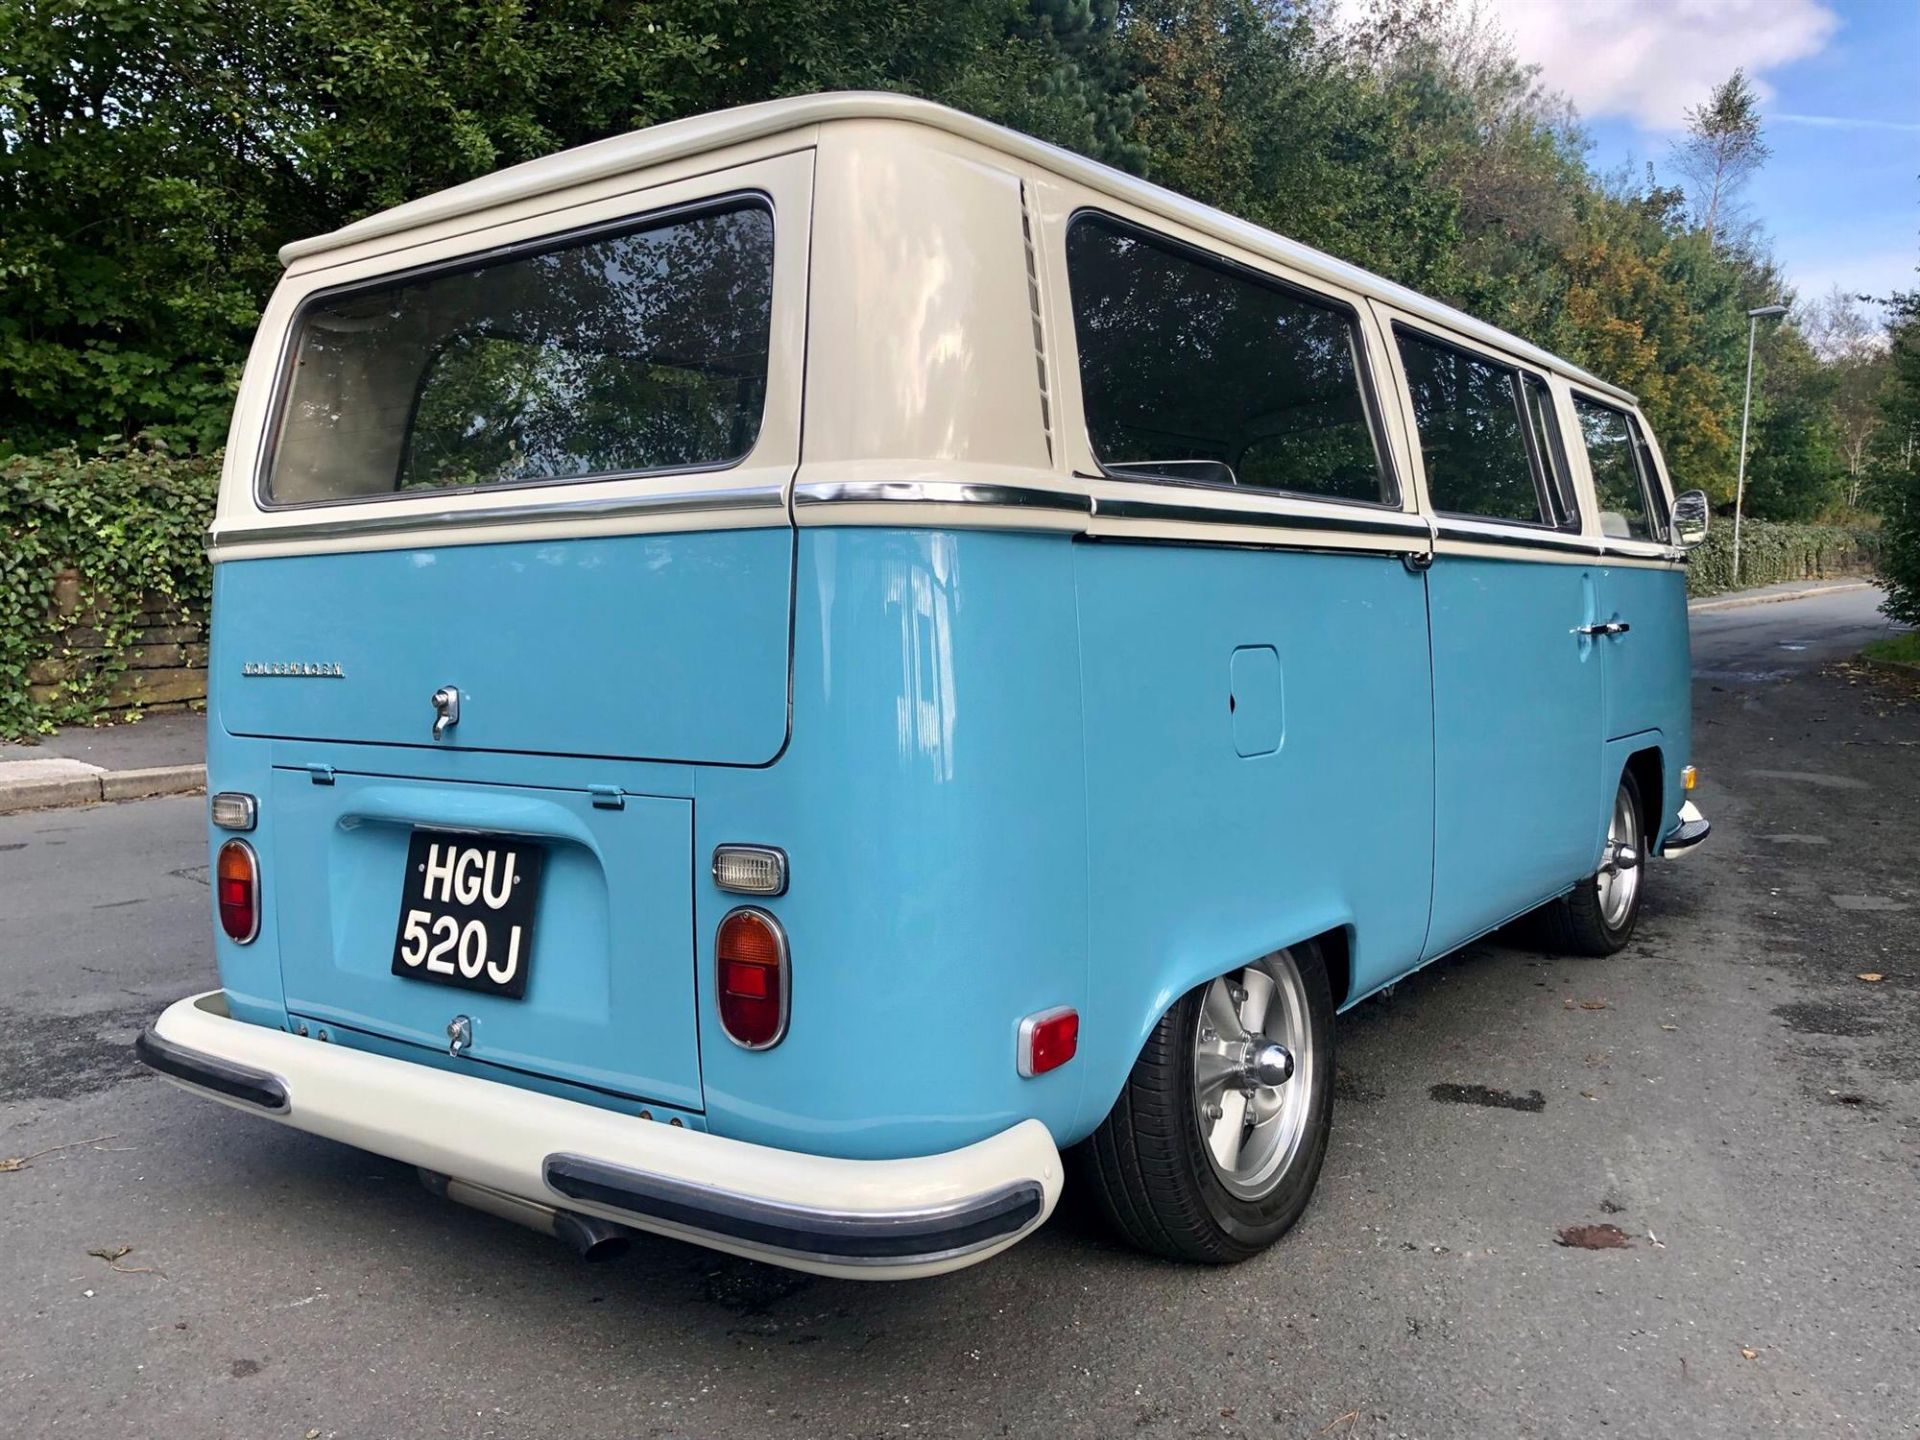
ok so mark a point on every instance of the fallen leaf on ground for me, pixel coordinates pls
(1669, 1027)
(115, 1254)
(1747, 1354)
(11, 1163)
(1570, 1003)
(1873, 977)
(1593, 1237)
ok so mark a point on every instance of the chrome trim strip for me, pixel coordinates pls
(771, 1227)
(1395, 523)
(1558, 541)
(681, 503)
(938, 492)
(1645, 550)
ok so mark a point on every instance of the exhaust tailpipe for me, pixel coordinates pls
(588, 1236)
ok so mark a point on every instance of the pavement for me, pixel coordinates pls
(1728, 1091)
(1773, 594)
(84, 765)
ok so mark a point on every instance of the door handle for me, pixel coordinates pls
(1603, 627)
(446, 710)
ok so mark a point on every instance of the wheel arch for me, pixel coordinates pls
(1644, 756)
(1111, 1063)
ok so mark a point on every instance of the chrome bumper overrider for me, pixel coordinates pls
(1684, 837)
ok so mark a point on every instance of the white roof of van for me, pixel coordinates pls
(642, 149)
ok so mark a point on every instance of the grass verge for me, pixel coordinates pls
(1901, 649)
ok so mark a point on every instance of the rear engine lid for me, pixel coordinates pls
(655, 647)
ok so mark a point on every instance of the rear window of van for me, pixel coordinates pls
(638, 350)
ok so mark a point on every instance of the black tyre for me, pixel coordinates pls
(1214, 1146)
(1598, 916)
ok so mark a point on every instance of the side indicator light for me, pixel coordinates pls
(236, 881)
(1687, 778)
(1048, 1040)
(751, 976)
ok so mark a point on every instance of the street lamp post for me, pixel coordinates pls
(1754, 317)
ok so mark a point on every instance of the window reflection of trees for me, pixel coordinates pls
(639, 351)
(1468, 416)
(1184, 361)
(1616, 478)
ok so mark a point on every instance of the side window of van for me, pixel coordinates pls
(1624, 486)
(1194, 369)
(1475, 438)
(1550, 453)
(637, 350)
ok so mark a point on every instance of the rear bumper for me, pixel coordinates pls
(1687, 835)
(861, 1219)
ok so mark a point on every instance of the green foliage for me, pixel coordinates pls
(1771, 554)
(129, 520)
(1900, 485)
(1901, 649)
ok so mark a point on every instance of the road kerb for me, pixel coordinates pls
(65, 791)
(49, 794)
(155, 780)
(1737, 602)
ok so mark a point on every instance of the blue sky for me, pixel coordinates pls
(1840, 88)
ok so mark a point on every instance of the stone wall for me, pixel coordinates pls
(166, 662)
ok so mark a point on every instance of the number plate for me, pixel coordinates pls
(466, 911)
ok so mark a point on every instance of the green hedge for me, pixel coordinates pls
(1771, 553)
(128, 522)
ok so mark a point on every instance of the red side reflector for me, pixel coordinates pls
(1048, 1040)
(751, 973)
(236, 890)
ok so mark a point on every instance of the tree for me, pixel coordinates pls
(1900, 534)
(1859, 365)
(1722, 150)
(1794, 469)
(155, 153)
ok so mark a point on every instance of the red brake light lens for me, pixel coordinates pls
(750, 961)
(236, 889)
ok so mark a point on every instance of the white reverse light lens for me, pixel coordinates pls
(750, 869)
(235, 810)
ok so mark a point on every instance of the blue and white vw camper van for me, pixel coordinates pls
(774, 676)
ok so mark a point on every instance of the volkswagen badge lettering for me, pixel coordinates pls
(294, 669)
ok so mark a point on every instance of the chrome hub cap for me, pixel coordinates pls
(1618, 878)
(1253, 1074)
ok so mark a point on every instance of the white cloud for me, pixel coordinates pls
(1649, 60)
(1844, 122)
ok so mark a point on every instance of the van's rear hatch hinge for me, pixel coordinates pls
(607, 797)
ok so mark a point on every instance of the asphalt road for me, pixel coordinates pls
(1727, 1092)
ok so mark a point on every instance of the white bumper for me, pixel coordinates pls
(861, 1219)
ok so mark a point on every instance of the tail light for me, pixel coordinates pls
(236, 888)
(750, 959)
